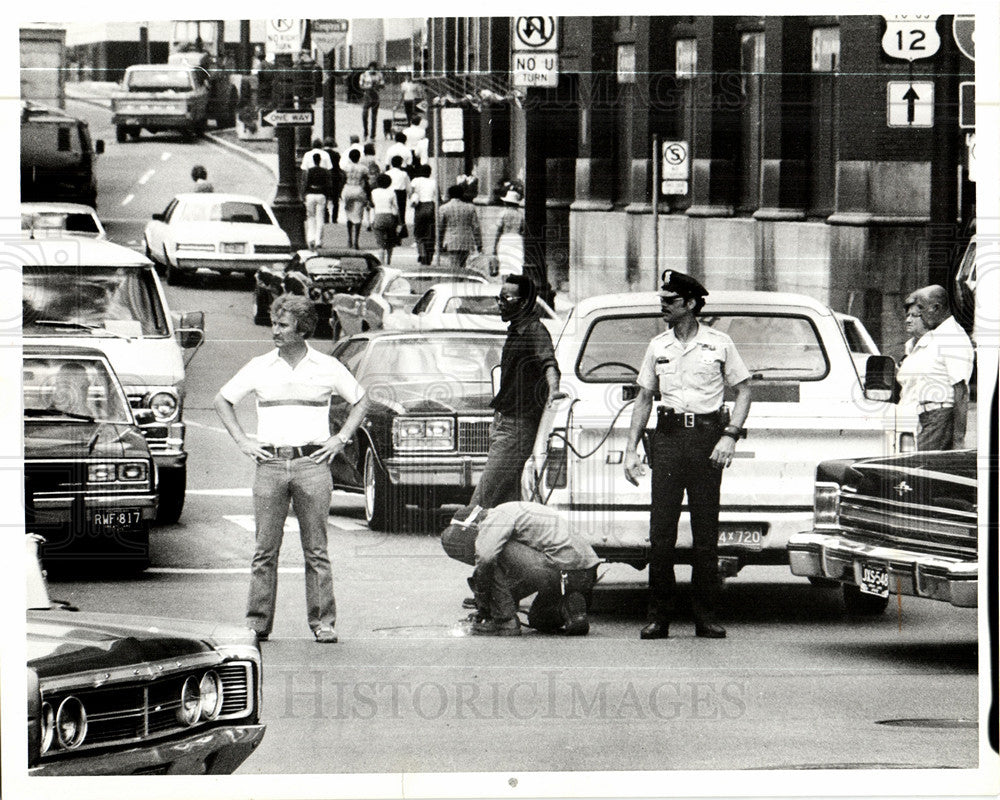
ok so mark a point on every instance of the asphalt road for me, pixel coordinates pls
(795, 686)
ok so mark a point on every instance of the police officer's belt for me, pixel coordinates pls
(685, 419)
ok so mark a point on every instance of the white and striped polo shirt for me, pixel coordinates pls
(293, 404)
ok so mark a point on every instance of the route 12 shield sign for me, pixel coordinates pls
(910, 36)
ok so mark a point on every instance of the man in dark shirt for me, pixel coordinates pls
(529, 378)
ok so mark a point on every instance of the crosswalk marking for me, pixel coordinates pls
(246, 522)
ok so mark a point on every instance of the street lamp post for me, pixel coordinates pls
(288, 207)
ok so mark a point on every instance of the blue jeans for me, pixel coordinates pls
(308, 486)
(511, 441)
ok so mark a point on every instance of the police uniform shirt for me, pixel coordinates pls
(692, 376)
(293, 403)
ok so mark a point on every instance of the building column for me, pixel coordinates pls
(716, 118)
(596, 97)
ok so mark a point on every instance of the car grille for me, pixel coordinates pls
(271, 248)
(928, 529)
(53, 477)
(157, 442)
(118, 715)
(473, 436)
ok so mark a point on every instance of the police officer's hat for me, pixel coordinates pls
(680, 284)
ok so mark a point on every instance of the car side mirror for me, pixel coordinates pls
(495, 379)
(158, 216)
(880, 379)
(99, 146)
(192, 329)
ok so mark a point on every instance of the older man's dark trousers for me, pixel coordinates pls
(681, 464)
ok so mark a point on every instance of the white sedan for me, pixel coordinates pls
(223, 232)
(59, 220)
(465, 306)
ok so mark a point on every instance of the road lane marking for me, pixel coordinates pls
(241, 492)
(145, 178)
(246, 522)
(165, 156)
(206, 427)
(215, 570)
(128, 199)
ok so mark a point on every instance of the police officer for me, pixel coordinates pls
(690, 364)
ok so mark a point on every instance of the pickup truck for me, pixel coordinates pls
(906, 525)
(161, 97)
(809, 404)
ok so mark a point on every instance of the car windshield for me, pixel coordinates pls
(472, 305)
(103, 301)
(178, 80)
(59, 222)
(228, 211)
(774, 347)
(433, 367)
(70, 388)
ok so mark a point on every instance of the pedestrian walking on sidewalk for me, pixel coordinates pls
(292, 386)
(424, 191)
(458, 227)
(400, 185)
(371, 83)
(508, 246)
(355, 195)
(315, 190)
(336, 180)
(386, 220)
(371, 164)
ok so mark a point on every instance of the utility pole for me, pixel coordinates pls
(535, 192)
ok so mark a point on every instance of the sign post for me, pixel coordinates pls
(284, 37)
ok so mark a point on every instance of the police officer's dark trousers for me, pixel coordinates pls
(681, 464)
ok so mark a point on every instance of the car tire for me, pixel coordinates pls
(823, 583)
(261, 306)
(382, 502)
(171, 488)
(174, 276)
(121, 134)
(859, 604)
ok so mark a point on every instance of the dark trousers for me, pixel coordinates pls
(680, 464)
(401, 205)
(937, 430)
(423, 231)
(521, 571)
(512, 439)
(410, 107)
(369, 110)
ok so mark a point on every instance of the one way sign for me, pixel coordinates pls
(910, 104)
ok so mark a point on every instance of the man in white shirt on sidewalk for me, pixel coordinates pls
(935, 374)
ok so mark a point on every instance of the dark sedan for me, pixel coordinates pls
(425, 441)
(89, 480)
(316, 274)
(115, 694)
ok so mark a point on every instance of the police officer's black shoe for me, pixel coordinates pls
(709, 630)
(655, 630)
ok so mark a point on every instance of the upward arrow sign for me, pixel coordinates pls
(911, 98)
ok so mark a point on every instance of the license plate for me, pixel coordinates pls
(874, 580)
(116, 519)
(742, 537)
(238, 248)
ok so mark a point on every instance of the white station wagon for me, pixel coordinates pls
(223, 232)
(810, 404)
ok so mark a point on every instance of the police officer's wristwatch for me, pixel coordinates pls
(734, 432)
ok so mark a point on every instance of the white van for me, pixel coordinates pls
(102, 295)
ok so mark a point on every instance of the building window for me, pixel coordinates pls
(751, 119)
(825, 120)
(686, 58)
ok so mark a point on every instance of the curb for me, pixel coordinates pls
(242, 151)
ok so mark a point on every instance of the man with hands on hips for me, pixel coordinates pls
(292, 386)
(690, 364)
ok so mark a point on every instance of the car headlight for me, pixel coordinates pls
(71, 723)
(100, 473)
(189, 709)
(826, 505)
(211, 695)
(423, 434)
(201, 248)
(48, 725)
(164, 406)
(133, 471)
(109, 472)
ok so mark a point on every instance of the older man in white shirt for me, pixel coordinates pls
(292, 385)
(935, 374)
